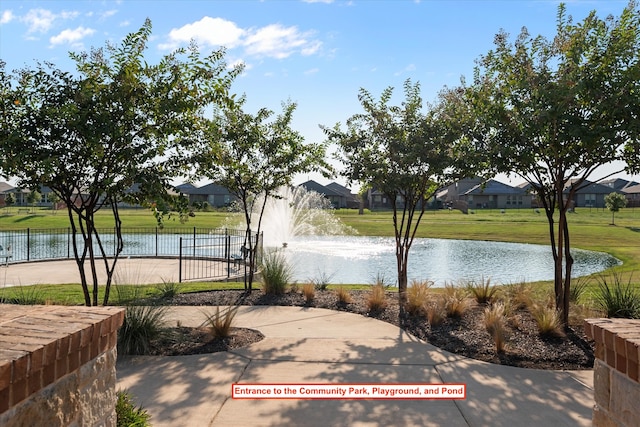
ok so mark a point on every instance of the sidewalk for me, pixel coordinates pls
(309, 345)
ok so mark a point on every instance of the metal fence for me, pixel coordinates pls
(199, 246)
(222, 254)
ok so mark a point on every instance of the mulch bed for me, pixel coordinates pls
(465, 335)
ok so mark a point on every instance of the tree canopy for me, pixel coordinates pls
(114, 130)
(253, 156)
(555, 110)
(404, 153)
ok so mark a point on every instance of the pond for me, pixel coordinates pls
(361, 259)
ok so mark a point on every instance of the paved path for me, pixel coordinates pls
(308, 345)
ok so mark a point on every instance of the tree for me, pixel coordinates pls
(554, 111)
(253, 157)
(406, 155)
(115, 130)
(34, 198)
(614, 202)
(9, 200)
(54, 200)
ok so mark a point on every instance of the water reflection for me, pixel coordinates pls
(360, 259)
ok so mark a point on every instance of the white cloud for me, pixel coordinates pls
(279, 42)
(274, 41)
(71, 36)
(125, 23)
(207, 32)
(42, 20)
(6, 17)
(311, 71)
(108, 13)
(318, 1)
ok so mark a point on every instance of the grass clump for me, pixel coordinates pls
(548, 321)
(276, 273)
(436, 312)
(494, 322)
(456, 302)
(142, 325)
(168, 289)
(617, 299)
(418, 297)
(482, 291)
(519, 295)
(220, 323)
(578, 289)
(309, 292)
(377, 298)
(343, 295)
(23, 295)
(127, 414)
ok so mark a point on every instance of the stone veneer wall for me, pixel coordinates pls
(58, 365)
(615, 372)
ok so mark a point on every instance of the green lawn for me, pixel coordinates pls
(589, 228)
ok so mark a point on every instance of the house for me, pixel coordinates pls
(590, 194)
(214, 194)
(618, 184)
(492, 194)
(478, 193)
(337, 195)
(5, 187)
(352, 200)
(632, 193)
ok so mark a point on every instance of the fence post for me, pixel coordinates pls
(194, 243)
(227, 250)
(156, 241)
(28, 244)
(180, 263)
(68, 242)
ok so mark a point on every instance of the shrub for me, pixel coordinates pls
(142, 325)
(418, 297)
(377, 299)
(322, 281)
(494, 322)
(220, 322)
(456, 302)
(127, 415)
(616, 299)
(309, 292)
(577, 289)
(482, 291)
(436, 312)
(343, 294)
(276, 273)
(520, 295)
(168, 289)
(548, 321)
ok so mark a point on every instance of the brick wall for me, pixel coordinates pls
(57, 365)
(616, 376)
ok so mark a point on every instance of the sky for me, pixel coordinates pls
(316, 53)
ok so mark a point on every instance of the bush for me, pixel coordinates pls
(309, 292)
(127, 415)
(377, 299)
(276, 273)
(520, 295)
(494, 322)
(142, 325)
(418, 297)
(168, 289)
(548, 321)
(482, 291)
(577, 289)
(616, 299)
(436, 312)
(343, 295)
(456, 302)
(220, 322)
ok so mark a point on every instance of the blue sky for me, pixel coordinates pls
(317, 53)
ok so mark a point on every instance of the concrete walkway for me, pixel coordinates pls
(308, 345)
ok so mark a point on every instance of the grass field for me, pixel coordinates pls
(590, 229)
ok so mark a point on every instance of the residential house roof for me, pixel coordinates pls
(494, 187)
(321, 189)
(5, 186)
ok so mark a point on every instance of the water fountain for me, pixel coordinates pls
(298, 212)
